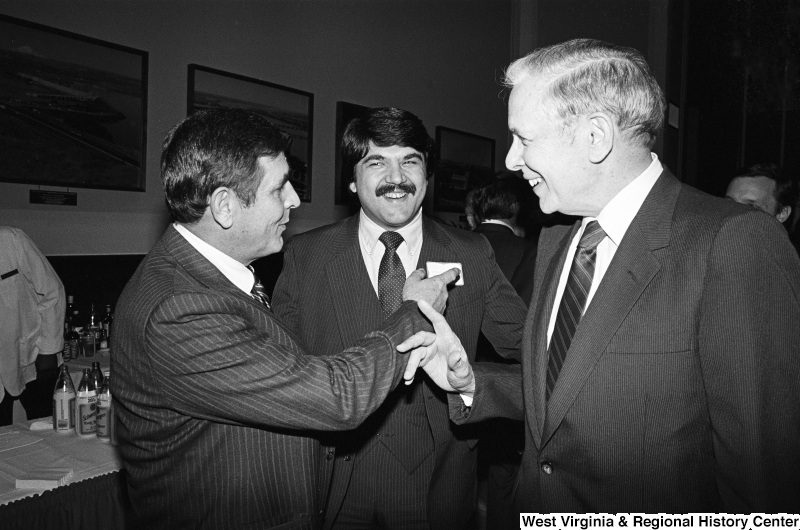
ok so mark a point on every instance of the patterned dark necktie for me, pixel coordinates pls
(258, 292)
(573, 300)
(391, 274)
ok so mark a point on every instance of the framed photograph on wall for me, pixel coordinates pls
(344, 113)
(73, 109)
(466, 161)
(289, 109)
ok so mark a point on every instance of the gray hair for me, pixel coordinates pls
(586, 75)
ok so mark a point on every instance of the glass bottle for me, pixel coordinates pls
(91, 334)
(86, 402)
(108, 319)
(96, 375)
(72, 344)
(105, 413)
(68, 314)
(64, 402)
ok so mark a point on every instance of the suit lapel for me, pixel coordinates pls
(633, 267)
(355, 303)
(435, 244)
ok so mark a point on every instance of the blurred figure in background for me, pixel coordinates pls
(32, 304)
(766, 188)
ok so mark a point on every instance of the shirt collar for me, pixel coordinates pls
(236, 272)
(617, 215)
(369, 232)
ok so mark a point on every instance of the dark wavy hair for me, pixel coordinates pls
(385, 127)
(214, 148)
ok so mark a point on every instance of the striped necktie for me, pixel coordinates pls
(573, 301)
(258, 292)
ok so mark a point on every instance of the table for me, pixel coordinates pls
(96, 497)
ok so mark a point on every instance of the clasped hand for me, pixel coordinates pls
(440, 354)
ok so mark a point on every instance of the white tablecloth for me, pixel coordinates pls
(25, 451)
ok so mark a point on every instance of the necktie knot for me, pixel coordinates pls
(391, 240)
(593, 234)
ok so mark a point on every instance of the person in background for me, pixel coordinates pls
(765, 187)
(496, 210)
(662, 350)
(218, 406)
(32, 305)
(407, 467)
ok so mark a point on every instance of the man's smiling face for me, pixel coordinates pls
(391, 184)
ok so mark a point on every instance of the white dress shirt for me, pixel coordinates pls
(372, 250)
(614, 219)
(235, 271)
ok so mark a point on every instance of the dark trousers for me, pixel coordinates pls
(37, 398)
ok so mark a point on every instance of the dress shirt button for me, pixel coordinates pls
(547, 468)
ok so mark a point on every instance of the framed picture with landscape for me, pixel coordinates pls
(466, 161)
(73, 109)
(291, 110)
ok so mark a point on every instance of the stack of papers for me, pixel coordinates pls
(45, 478)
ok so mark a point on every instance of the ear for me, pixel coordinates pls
(222, 204)
(783, 215)
(353, 186)
(601, 136)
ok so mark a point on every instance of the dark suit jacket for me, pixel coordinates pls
(680, 391)
(217, 401)
(508, 248)
(325, 295)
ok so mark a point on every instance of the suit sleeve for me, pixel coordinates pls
(213, 363)
(504, 313)
(498, 392)
(749, 347)
(283, 303)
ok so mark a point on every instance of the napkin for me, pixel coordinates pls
(44, 478)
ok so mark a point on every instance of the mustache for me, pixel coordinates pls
(405, 187)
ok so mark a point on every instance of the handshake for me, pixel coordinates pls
(440, 353)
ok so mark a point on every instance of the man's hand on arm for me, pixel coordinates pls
(440, 354)
(432, 290)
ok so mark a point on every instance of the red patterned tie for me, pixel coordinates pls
(391, 274)
(573, 300)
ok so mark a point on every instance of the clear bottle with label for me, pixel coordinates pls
(105, 412)
(86, 406)
(64, 402)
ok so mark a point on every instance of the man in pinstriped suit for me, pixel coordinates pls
(679, 389)
(218, 405)
(407, 467)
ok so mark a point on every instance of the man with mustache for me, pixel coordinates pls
(407, 466)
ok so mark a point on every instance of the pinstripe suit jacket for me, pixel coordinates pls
(218, 404)
(680, 391)
(324, 294)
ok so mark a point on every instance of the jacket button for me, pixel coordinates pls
(329, 456)
(547, 468)
(346, 458)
